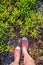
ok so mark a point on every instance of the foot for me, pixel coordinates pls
(16, 53)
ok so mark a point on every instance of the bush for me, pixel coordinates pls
(31, 24)
(3, 12)
(3, 30)
(14, 16)
(2, 1)
(25, 6)
(4, 47)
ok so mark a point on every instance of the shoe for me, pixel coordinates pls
(25, 42)
(17, 52)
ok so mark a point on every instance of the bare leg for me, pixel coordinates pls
(27, 58)
(16, 62)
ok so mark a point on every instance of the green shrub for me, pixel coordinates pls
(31, 24)
(3, 12)
(3, 30)
(19, 23)
(14, 1)
(25, 6)
(2, 1)
(4, 47)
(11, 32)
(39, 19)
(14, 16)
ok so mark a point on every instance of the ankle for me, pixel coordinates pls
(24, 50)
(17, 59)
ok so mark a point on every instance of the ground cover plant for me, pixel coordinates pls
(20, 18)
